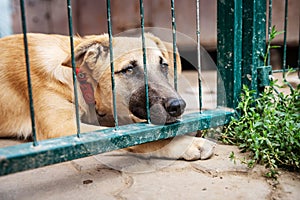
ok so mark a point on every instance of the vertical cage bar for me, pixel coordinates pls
(29, 84)
(144, 60)
(199, 53)
(174, 43)
(254, 42)
(284, 38)
(229, 52)
(270, 28)
(112, 68)
(70, 23)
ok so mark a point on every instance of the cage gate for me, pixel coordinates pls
(241, 39)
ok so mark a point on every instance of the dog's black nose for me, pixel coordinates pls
(175, 107)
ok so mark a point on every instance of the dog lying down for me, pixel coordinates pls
(52, 85)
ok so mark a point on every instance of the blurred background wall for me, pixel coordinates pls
(50, 16)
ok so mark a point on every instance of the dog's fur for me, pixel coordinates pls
(52, 86)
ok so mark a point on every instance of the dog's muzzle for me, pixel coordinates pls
(163, 110)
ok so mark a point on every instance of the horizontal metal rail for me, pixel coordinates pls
(26, 156)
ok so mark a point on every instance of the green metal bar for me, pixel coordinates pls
(112, 68)
(270, 28)
(16, 158)
(254, 41)
(263, 73)
(198, 54)
(29, 84)
(284, 38)
(229, 48)
(174, 43)
(284, 66)
(70, 23)
(145, 61)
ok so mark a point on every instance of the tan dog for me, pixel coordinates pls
(53, 89)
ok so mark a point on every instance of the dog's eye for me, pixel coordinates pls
(164, 65)
(127, 70)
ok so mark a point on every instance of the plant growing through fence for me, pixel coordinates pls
(269, 130)
(273, 34)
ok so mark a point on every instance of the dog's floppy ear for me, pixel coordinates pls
(88, 51)
(167, 51)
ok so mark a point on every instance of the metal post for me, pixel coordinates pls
(229, 52)
(26, 51)
(112, 68)
(198, 53)
(254, 42)
(145, 61)
(70, 21)
(174, 42)
(270, 28)
(284, 39)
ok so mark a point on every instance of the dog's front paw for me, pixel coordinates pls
(200, 149)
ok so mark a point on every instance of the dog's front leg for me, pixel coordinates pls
(90, 128)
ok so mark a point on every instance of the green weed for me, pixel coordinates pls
(273, 34)
(268, 128)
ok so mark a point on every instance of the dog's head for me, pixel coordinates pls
(93, 57)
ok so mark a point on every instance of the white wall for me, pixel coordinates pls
(6, 18)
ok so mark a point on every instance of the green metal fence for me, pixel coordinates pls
(241, 40)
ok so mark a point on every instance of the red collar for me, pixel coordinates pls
(86, 88)
(77, 71)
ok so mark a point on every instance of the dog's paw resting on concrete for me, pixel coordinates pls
(200, 149)
(181, 147)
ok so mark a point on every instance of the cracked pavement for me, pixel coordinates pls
(88, 178)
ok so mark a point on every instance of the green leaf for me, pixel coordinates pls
(275, 46)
